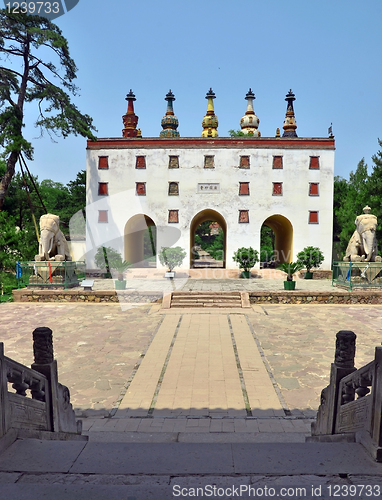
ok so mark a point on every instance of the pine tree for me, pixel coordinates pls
(38, 80)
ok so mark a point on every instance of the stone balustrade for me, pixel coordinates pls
(38, 402)
(351, 405)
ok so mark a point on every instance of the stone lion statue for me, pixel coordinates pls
(53, 244)
(362, 246)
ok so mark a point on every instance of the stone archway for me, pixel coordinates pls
(283, 230)
(134, 236)
(204, 215)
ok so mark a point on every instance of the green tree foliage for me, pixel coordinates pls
(27, 75)
(238, 133)
(246, 258)
(171, 257)
(350, 197)
(267, 243)
(310, 258)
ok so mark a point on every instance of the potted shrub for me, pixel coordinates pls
(120, 266)
(103, 258)
(171, 257)
(290, 268)
(310, 258)
(246, 258)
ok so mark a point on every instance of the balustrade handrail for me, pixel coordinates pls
(48, 408)
(32, 376)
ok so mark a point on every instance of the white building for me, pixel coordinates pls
(242, 183)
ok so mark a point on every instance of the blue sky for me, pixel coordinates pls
(327, 52)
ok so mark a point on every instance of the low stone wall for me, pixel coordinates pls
(305, 297)
(27, 295)
(318, 275)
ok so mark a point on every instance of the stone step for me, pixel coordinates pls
(196, 299)
(112, 458)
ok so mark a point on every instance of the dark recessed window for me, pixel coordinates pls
(103, 162)
(314, 162)
(140, 162)
(244, 162)
(173, 188)
(313, 217)
(140, 188)
(173, 162)
(277, 189)
(103, 189)
(313, 189)
(243, 216)
(277, 162)
(102, 216)
(244, 188)
(209, 161)
(173, 216)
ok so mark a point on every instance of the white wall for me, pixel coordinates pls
(122, 202)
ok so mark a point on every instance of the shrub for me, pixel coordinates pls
(310, 258)
(246, 258)
(171, 257)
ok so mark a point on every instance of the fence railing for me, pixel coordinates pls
(357, 274)
(38, 401)
(351, 405)
(51, 274)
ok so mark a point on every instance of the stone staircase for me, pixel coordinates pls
(209, 299)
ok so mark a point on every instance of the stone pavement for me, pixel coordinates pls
(189, 398)
(214, 365)
(210, 280)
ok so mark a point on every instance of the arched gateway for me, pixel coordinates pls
(283, 230)
(139, 229)
(204, 215)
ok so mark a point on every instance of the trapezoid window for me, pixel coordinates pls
(140, 188)
(103, 189)
(173, 162)
(277, 189)
(243, 188)
(209, 161)
(102, 216)
(173, 216)
(314, 163)
(244, 162)
(313, 217)
(140, 162)
(103, 162)
(173, 188)
(243, 216)
(313, 189)
(277, 162)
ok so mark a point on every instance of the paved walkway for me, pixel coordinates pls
(216, 372)
(177, 400)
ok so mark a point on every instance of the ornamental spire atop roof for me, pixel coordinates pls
(290, 121)
(169, 121)
(249, 123)
(210, 121)
(130, 119)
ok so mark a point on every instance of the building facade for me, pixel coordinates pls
(243, 182)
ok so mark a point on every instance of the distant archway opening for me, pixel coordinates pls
(208, 240)
(140, 241)
(281, 237)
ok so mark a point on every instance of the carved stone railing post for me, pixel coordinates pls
(376, 421)
(4, 414)
(342, 366)
(63, 417)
